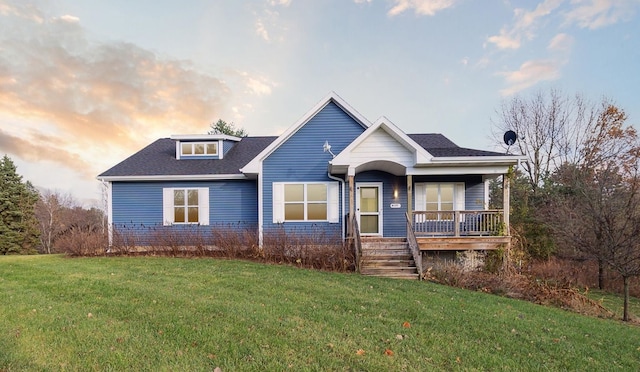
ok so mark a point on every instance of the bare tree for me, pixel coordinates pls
(596, 206)
(551, 128)
(50, 212)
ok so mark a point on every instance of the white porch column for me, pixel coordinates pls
(352, 208)
(506, 195)
(409, 196)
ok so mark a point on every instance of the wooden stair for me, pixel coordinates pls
(387, 257)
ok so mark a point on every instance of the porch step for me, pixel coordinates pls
(389, 258)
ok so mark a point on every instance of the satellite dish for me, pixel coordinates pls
(327, 148)
(510, 137)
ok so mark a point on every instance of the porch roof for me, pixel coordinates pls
(383, 146)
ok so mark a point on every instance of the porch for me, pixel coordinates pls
(459, 230)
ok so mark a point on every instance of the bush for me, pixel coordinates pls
(311, 248)
(83, 242)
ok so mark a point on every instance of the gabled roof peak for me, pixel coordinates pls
(254, 165)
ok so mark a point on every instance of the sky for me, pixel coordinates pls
(85, 84)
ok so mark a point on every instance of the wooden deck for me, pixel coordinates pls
(457, 243)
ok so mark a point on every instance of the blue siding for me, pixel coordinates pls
(227, 145)
(138, 205)
(393, 219)
(301, 159)
(474, 194)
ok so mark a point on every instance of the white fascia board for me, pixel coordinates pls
(254, 165)
(422, 155)
(204, 137)
(507, 159)
(195, 177)
(459, 170)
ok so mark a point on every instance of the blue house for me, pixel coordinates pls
(370, 184)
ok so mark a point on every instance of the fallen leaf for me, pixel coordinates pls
(458, 360)
(406, 325)
(217, 369)
(399, 337)
(89, 315)
(360, 352)
(388, 352)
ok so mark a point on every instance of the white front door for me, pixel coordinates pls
(369, 208)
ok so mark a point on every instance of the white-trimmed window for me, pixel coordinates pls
(185, 205)
(441, 199)
(199, 148)
(305, 202)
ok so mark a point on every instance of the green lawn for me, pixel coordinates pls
(134, 313)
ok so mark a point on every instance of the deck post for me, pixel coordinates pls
(409, 198)
(351, 204)
(506, 195)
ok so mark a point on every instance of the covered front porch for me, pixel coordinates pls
(423, 189)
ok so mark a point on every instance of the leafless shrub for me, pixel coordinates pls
(311, 248)
(524, 287)
(83, 242)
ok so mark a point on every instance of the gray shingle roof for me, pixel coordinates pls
(440, 146)
(159, 159)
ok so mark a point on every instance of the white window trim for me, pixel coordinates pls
(332, 201)
(168, 211)
(218, 152)
(421, 196)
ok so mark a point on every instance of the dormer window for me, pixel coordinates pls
(199, 148)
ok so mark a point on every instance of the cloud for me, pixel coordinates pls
(529, 74)
(97, 99)
(39, 146)
(261, 30)
(524, 25)
(561, 43)
(420, 7)
(593, 14)
(268, 22)
(70, 18)
(280, 2)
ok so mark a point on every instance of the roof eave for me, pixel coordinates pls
(185, 177)
(473, 160)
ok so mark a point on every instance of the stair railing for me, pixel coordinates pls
(413, 245)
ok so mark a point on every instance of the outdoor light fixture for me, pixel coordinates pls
(395, 193)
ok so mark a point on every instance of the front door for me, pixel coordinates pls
(369, 208)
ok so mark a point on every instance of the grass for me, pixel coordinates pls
(615, 303)
(154, 314)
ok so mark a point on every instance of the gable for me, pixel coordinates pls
(301, 156)
(329, 115)
(381, 145)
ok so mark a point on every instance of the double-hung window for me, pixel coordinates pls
(439, 199)
(185, 206)
(302, 202)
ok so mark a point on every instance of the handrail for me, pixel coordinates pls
(459, 223)
(357, 243)
(413, 245)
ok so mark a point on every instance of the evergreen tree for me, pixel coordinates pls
(18, 227)
(222, 127)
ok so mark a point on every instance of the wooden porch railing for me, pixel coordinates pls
(413, 245)
(459, 223)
